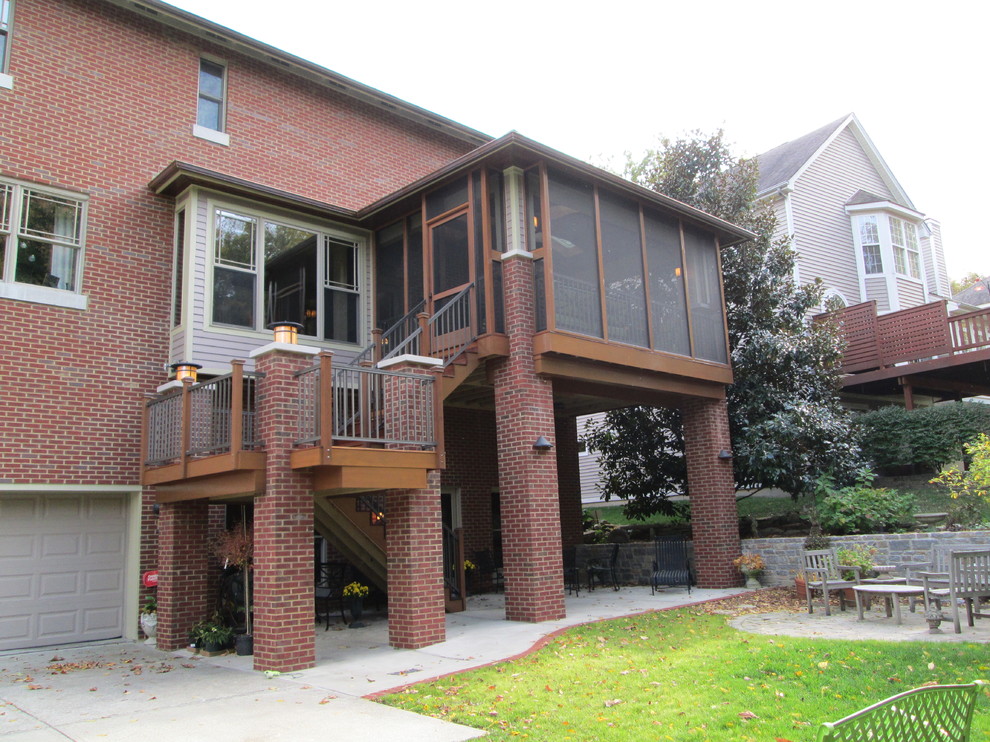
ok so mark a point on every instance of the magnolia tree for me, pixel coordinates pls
(787, 425)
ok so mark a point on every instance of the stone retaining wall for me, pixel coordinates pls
(783, 555)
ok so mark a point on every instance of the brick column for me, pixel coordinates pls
(531, 546)
(714, 518)
(283, 522)
(183, 571)
(414, 544)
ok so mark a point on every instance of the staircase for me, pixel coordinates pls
(352, 529)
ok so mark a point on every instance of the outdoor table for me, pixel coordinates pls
(890, 594)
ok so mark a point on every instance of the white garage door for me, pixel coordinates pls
(61, 568)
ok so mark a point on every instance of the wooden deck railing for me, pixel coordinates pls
(202, 419)
(876, 341)
(360, 404)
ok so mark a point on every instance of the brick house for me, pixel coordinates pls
(447, 305)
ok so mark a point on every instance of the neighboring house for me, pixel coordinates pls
(975, 295)
(851, 223)
(445, 305)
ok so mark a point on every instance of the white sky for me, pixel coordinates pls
(596, 80)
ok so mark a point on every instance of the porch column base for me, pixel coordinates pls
(183, 571)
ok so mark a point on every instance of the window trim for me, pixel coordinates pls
(20, 291)
(201, 95)
(906, 250)
(6, 81)
(323, 230)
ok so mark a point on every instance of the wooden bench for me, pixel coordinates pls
(935, 713)
(967, 582)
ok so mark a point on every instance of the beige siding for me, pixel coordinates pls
(823, 231)
(937, 277)
(876, 289)
(910, 293)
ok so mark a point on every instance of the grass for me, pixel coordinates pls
(686, 675)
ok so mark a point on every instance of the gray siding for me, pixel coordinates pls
(910, 293)
(823, 231)
(936, 275)
(876, 289)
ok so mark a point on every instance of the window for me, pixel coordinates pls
(4, 34)
(869, 237)
(211, 95)
(41, 237)
(266, 271)
(904, 240)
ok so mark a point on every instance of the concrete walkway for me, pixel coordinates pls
(125, 690)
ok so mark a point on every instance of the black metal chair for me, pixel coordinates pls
(329, 590)
(488, 569)
(671, 566)
(571, 579)
(599, 571)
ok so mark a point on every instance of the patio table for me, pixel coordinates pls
(891, 595)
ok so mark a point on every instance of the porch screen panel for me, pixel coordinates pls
(622, 260)
(389, 276)
(576, 283)
(446, 198)
(290, 276)
(704, 291)
(668, 309)
(450, 254)
(477, 209)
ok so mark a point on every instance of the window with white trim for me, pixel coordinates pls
(869, 237)
(212, 95)
(5, 12)
(266, 270)
(41, 237)
(904, 241)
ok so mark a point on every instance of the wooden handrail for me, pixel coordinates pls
(325, 393)
(236, 406)
(186, 426)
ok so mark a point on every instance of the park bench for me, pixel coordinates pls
(935, 713)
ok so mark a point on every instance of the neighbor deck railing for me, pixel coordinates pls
(875, 341)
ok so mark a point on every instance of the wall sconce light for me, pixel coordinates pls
(542, 444)
(725, 454)
(185, 370)
(677, 271)
(286, 332)
(156, 508)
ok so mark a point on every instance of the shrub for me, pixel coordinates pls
(862, 508)
(970, 490)
(859, 555)
(927, 438)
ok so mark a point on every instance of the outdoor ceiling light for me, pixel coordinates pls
(542, 444)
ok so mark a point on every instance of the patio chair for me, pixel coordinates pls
(329, 590)
(599, 571)
(936, 713)
(571, 579)
(671, 566)
(967, 584)
(488, 568)
(937, 567)
(823, 573)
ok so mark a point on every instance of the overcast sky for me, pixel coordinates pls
(596, 80)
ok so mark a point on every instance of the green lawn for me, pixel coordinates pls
(686, 675)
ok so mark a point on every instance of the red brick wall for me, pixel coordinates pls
(183, 582)
(713, 499)
(103, 99)
(472, 467)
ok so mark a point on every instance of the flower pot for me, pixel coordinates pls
(799, 588)
(244, 644)
(149, 625)
(356, 608)
(752, 583)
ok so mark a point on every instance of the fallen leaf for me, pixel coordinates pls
(613, 702)
(327, 699)
(747, 715)
(92, 689)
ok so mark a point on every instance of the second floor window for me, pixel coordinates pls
(211, 95)
(41, 237)
(904, 241)
(869, 236)
(265, 271)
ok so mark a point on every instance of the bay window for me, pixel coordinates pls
(904, 241)
(869, 235)
(267, 271)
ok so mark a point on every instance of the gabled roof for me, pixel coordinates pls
(865, 197)
(214, 33)
(977, 294)
(781, 166)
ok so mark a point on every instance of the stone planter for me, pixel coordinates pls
(149, 625)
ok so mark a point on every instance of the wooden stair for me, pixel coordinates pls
(339, 521)
(457, 371)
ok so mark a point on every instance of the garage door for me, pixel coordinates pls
(61, 568)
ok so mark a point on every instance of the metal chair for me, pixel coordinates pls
(571, 579)
(488, 568)
(599, 571)
(671, 566)
(329, 589)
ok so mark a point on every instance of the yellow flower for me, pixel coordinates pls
(356, 590)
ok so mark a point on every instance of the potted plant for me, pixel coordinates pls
(235, 548)
(752, 566)
(858, 555)
(212, 635)
(149, 619)
(355, 593)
